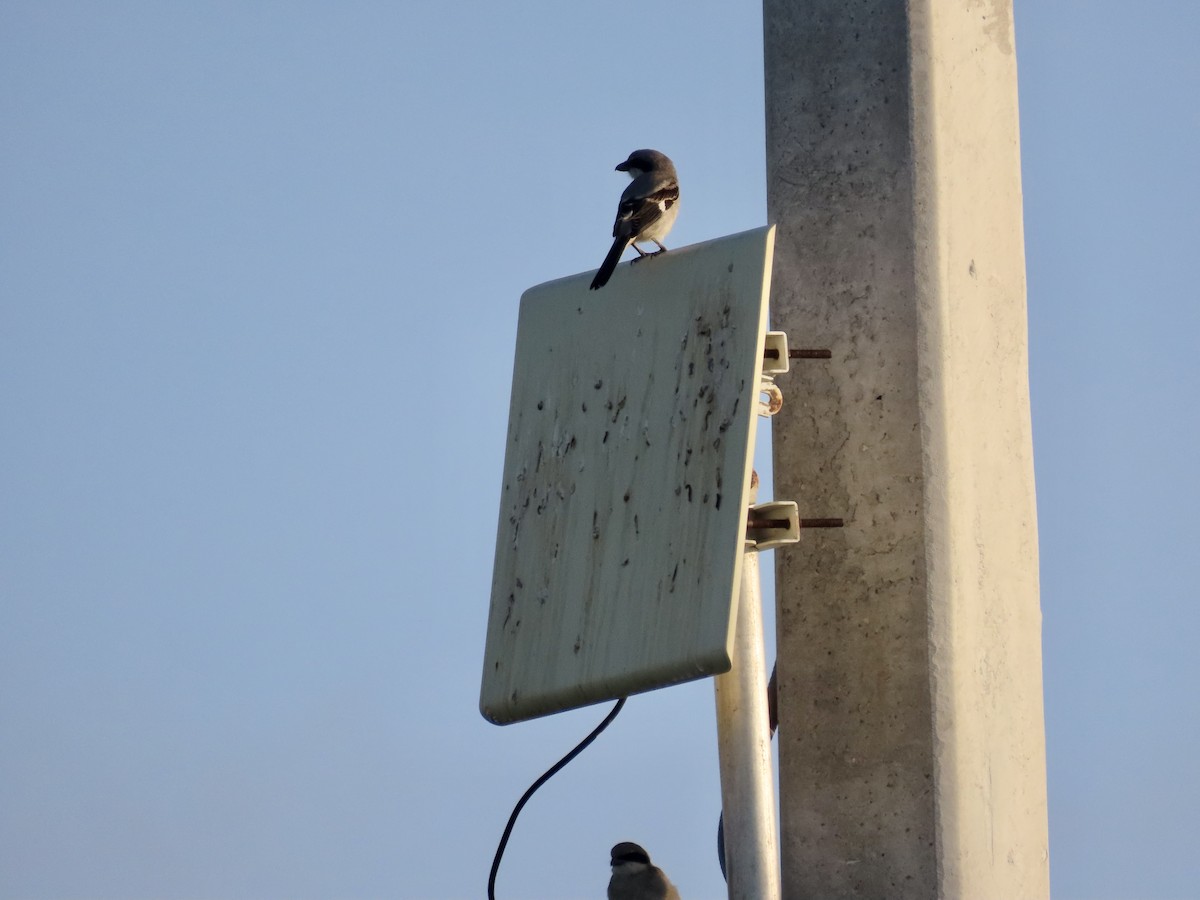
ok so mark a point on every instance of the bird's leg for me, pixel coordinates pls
(642, 254)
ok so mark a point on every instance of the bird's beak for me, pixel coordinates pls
(622, 166)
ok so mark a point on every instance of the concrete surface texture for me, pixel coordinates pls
(912, 750)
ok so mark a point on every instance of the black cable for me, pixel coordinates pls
(549, 773)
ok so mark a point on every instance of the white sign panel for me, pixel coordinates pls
(626, 479)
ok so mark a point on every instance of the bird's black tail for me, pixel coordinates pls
(610, 263)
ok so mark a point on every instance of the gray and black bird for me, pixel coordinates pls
(647, 210)
(634, 877)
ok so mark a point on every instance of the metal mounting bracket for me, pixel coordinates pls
(773, 524)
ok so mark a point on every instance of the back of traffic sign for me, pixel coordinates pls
(626, 479)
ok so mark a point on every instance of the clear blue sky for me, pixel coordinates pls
(259, 272)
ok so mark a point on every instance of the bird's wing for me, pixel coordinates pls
(644, 202)
(663, 887)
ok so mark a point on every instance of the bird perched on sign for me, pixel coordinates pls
(647, 210)
(634, 877)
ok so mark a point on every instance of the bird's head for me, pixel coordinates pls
(629, 857)
(641, 161)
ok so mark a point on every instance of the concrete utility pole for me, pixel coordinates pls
(912, 748)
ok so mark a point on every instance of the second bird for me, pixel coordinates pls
(647, 210)
(634, 877)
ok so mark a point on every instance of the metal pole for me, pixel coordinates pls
(744, 745)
